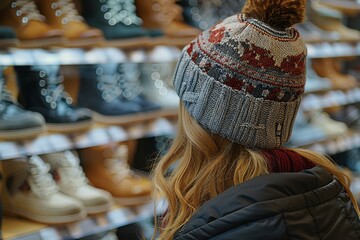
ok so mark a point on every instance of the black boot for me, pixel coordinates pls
(41, 90)
(106, 90)
(7, 37)
(116, 18)
(15, 122)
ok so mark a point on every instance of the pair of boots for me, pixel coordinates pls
(53, 188)
(330, 68)
(41, 23)
(31, 191)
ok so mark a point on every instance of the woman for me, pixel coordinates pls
(226, 175)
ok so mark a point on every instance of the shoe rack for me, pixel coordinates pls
(340, 88)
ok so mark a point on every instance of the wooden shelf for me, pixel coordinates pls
(21, 229)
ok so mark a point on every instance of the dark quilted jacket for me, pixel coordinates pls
(305, 205)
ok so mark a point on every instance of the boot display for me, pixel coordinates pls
(7, 37)
(15, 122)
(155, 79)
(113, 95)
(30, 26)
(71, 180)
(32, 193)
(167, 15)
(62, 14)
(328, 68)
(107, 168)
(118, 21)
(41, 90)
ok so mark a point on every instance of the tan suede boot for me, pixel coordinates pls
(167, 15)
(329, 68)
(106, 167)
(29, 24)
(63, 14)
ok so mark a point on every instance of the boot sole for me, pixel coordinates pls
(21, 133)
(41, 43)
(5, 43)
(12, 211)
(134, 117)
(132, 201)
(129, 43)
(89, 42)
(171, 41)
(98, 208)
(69, 127)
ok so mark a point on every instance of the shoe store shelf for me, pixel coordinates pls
(95, 136)
(330, 99)
(21, 229)
(102, 55)
(333, 50)
(77, 56)
(337, 144)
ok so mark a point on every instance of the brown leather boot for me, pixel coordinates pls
(348, 7)
(63, 14)
(106, 167)
(29, 24)
(329, 68)
(330, 23)
(167, 15)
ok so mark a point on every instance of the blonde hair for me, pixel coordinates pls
(201, 165)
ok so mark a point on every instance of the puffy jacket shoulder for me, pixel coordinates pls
(305, 205)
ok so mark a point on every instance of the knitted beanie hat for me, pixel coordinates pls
(243, 78)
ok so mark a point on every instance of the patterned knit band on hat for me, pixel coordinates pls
(243, 78)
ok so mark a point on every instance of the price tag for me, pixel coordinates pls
(10, 150)
(60, 142)
(43, 57)
(21, 57)
(94, 137)
(49, 233)
(117, 134)
(115, 55)
(37, 146)
(95, 56)
(69, 56)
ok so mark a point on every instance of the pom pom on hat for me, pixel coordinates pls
(279, 14)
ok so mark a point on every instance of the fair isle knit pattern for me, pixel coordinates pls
(244, 80)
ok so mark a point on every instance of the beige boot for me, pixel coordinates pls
(106, 167)
(62, 14)
(31, 192)
(30, 27)
(70, 179)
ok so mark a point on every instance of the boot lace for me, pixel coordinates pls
(71, 172)
(118, 165)
(68, 8)
(5, 94)
(120, 11)
(115, 84)
(28, 9)
(41, 182)
(53, 89)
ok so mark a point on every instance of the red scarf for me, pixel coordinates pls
(285, 160)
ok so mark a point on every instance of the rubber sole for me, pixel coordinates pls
(41, 43)
(88, 42)
(98, 208)
(132, 201)
(12, 211)
(134, 117)
(21, 133)
(69, 127)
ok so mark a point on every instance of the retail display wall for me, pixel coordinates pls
(87, 106)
